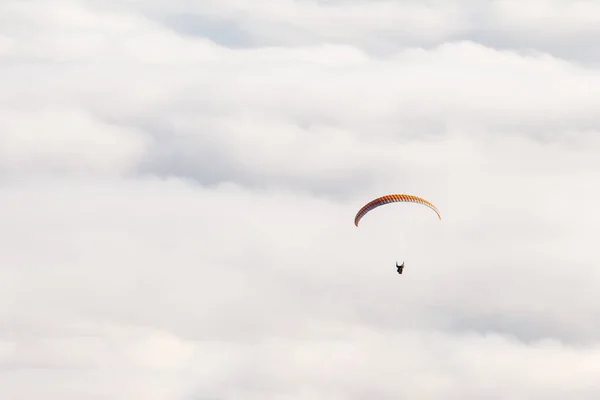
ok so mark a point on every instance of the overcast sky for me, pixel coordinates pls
(178, 184)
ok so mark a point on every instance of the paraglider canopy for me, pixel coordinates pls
(392, 198)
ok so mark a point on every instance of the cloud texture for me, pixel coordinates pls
(178, 183)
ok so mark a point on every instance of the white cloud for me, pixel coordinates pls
(227, 270)
(65, 141)
(177, 214)
(565, 17)
(563, 28)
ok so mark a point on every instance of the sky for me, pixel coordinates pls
(178, 185)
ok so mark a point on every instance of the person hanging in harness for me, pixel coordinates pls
(400, 267)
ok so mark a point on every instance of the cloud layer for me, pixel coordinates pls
(179, 182)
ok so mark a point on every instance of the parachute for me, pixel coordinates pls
(393, 198)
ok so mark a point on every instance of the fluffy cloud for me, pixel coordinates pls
(179, 184)
(173, 290)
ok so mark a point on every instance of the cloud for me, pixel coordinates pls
(563, 28)
(221, 280)
(74, 143)
(322, 119)
(179, 182)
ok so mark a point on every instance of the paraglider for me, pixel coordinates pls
(393, 198)
(400, 267)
